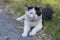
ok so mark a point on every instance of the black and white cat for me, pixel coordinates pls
(33, 18)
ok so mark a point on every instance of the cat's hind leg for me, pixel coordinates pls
(36, 29)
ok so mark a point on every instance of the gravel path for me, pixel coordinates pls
(8, 30)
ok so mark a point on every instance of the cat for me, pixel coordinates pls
(34, 17)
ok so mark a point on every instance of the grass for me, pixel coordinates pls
(50, 27)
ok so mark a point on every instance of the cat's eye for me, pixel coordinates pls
(30, 13)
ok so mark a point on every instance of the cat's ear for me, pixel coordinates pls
(26, 7)
(40, 8)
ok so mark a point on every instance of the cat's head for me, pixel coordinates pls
(32, 11)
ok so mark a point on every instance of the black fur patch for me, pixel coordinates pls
(38, 12)
(30, 7)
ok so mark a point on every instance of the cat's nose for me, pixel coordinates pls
(34, 16)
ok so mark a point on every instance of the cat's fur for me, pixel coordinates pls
(33, 17)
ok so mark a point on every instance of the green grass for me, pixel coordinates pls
(49, 26)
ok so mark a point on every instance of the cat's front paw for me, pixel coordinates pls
(18, 19)
(24, 34)
(32, 33)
